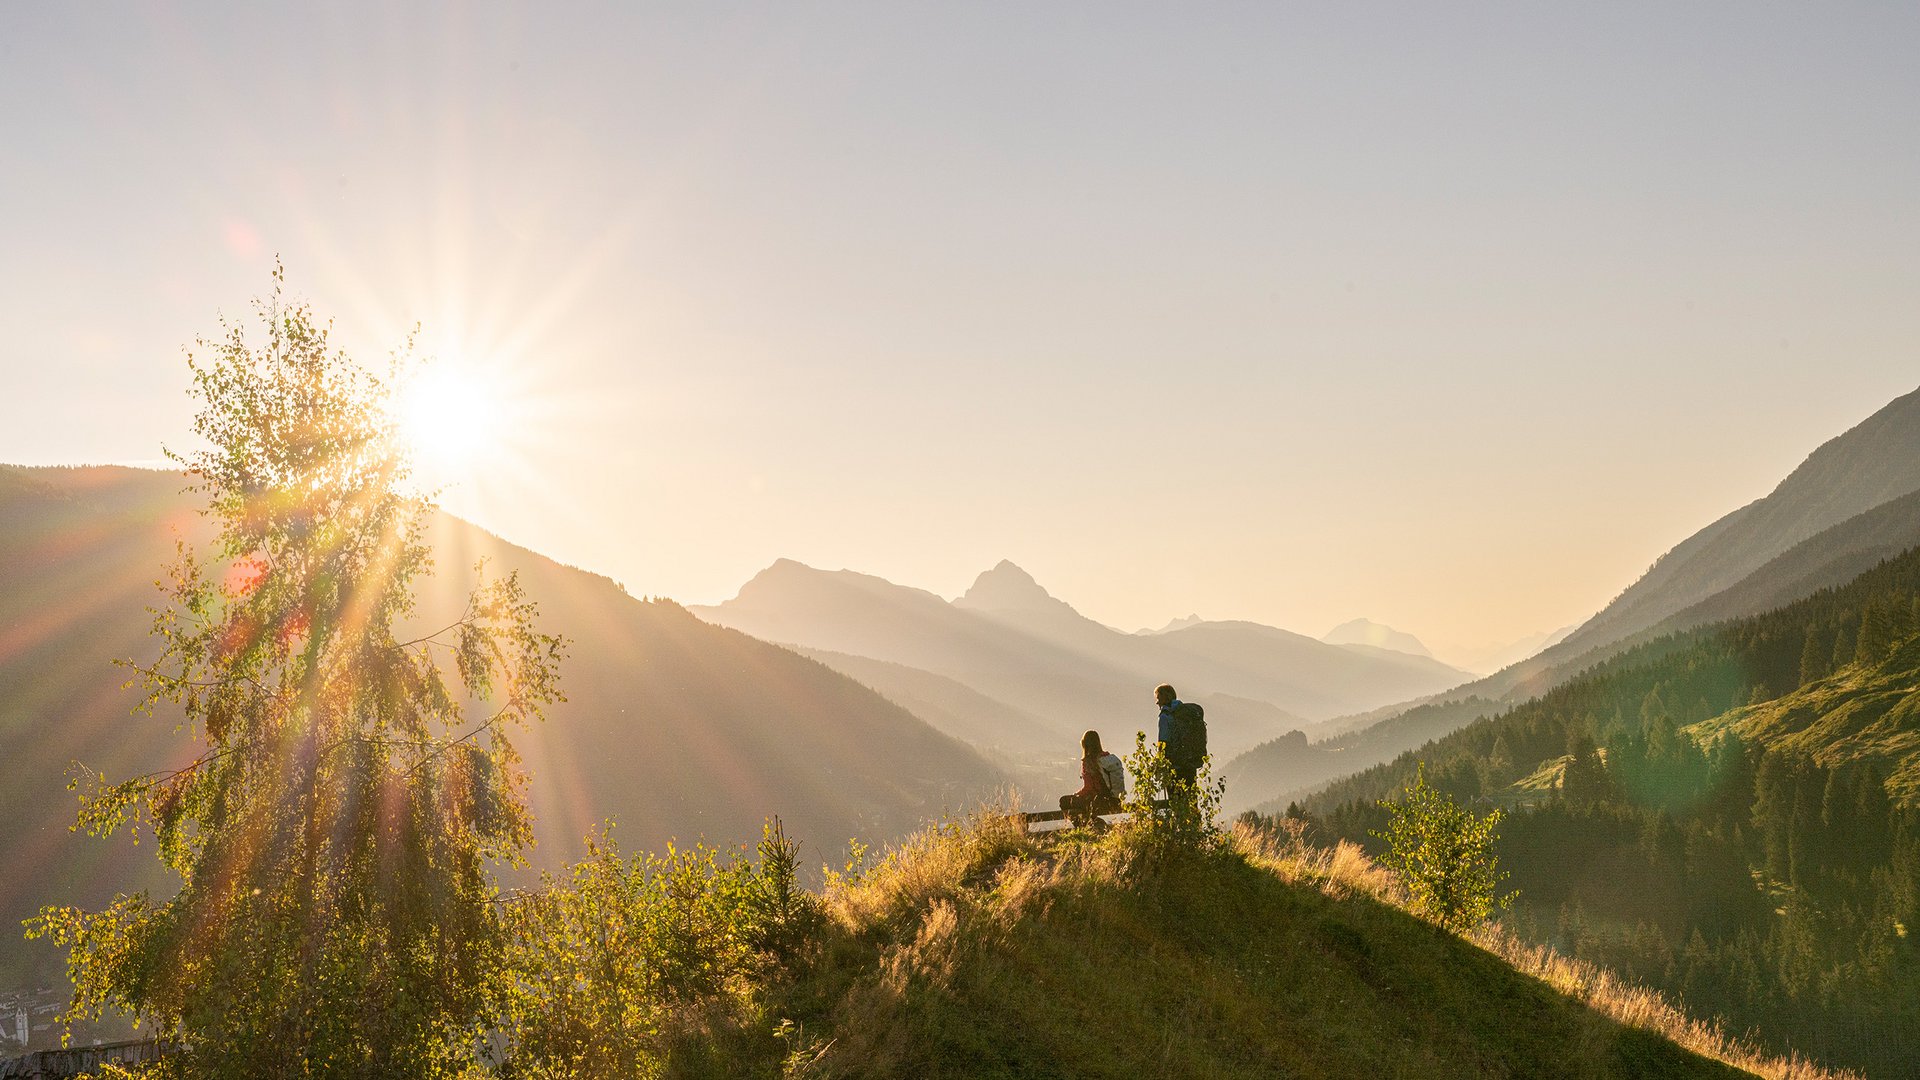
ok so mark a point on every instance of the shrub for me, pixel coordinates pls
(1190, 821)
(609, 966)
(1443, 856)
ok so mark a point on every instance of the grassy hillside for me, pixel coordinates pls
(1865, 714)
(976, 951)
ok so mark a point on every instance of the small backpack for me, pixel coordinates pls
(1114, 773)
(1189, 736)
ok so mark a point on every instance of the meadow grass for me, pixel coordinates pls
(973, 949)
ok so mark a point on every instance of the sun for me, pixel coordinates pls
(450, 421)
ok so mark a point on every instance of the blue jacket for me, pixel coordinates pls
(1166, 720)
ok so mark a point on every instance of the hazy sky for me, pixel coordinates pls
(1450, 315)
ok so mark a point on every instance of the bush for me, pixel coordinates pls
(1443, 856)
(609, 967)
(1190, 822)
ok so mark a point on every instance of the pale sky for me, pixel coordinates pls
(1454, 316)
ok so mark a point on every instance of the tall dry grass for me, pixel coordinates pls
(1345, 870)
(951, 890)
(1637, 1006)
(934, 864)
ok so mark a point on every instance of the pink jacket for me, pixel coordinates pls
(1092, 780)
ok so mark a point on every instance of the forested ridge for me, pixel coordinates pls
(1730, 814)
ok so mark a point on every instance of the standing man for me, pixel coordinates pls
(1185, 765)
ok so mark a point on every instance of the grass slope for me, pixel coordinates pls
(975, 951)
(1862, 713)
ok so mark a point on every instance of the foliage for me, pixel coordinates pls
(332, 832)
(1190, 819)
(625, 959)
(1443, 855)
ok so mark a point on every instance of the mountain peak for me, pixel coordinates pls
(1006, 587)
(777, 572)
(1175, 624)
(1006, 570)
(1007, 590)
(1378, 635)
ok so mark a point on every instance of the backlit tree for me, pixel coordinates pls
(1443, 855)
(354, 777)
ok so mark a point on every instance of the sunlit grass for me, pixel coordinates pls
(973, 948)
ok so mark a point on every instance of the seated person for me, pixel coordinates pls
(1102, 782)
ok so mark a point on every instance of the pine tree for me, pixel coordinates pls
(1899, 618)
(1876, 636)
(1843, 647)
(1815, 657)
(1584, 778)
(1500, 762)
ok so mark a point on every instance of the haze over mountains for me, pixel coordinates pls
(1854, 502)
(1484, 658)
(888, 705)
(1017, 669)
(1378, 635)
(1872, 464)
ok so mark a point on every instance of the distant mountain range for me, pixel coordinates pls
(1018, 671)
(1494, 657)
(674, 727)
(1481, 659)
(1173, 624)
(1854, 502)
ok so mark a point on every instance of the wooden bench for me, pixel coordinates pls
(1028, 821)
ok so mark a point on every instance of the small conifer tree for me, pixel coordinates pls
(1876, 636)
(1815, 657)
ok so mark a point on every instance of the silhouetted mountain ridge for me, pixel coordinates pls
(1876, 461)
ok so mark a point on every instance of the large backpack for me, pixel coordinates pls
(1114, 773)
(1189, 736)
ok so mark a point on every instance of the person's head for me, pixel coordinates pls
(1163, 694)
(1090, 744)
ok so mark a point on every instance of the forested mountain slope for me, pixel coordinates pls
(675, 727)
(1880, 449)
(1731, 813)
(1873, 463)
